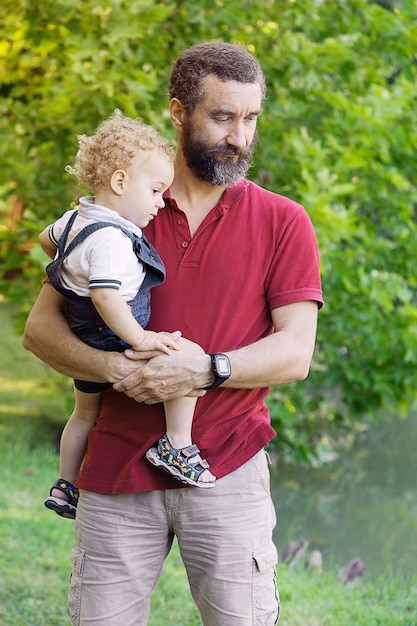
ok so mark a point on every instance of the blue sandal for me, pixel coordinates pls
(178, 463)
(65, 508)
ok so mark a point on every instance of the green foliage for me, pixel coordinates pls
(343, 98)
(338, 134)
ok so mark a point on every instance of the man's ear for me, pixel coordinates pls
(117, 181)
(177, 113)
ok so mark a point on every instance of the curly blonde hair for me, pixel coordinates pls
(115, 144)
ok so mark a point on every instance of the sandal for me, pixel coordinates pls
(65, 508)
(177, 462)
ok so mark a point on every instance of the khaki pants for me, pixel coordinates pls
(225, 538)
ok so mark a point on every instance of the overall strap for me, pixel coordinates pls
(63, 238)
(84, 233)
(144, 251)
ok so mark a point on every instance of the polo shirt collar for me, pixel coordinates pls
(230, 196)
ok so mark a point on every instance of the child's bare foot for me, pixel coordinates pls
(183, 463)
(56, 493)
(206, 476)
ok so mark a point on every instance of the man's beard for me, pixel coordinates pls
(215, 165)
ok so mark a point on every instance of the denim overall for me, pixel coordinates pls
(83, 318)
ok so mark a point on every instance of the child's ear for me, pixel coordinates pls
(117, 181)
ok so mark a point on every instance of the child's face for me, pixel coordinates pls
(144, 185)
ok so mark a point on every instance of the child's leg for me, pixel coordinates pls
(179, 416)
(179, 420)
(74, 436)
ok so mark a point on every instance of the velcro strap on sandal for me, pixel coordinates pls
(190, 451)
(204, 463)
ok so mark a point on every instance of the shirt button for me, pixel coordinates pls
(180, 222)
(185, 244)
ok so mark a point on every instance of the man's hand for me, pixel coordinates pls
(166, 377)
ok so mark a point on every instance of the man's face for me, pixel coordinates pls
(219, 138)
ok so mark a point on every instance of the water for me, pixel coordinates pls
(363, 505)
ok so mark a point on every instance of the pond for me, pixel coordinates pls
(363, 505)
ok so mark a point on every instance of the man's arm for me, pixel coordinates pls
(47, 335)
(282, 357)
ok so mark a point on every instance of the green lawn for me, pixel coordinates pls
(35, 545)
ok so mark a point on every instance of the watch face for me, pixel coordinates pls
(223, 366)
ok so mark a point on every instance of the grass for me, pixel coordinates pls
(35, 545)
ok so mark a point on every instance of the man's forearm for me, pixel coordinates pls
(282, 357)
(47, 335)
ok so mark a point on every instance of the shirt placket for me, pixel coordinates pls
(182, 233)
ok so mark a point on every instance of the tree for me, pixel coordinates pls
(338, 134)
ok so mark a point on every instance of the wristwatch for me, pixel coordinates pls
(221, 369)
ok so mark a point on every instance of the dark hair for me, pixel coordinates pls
(224, 60)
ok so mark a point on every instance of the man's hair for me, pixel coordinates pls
(223, 60)
(115, 145)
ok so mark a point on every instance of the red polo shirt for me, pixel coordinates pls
(255, 251)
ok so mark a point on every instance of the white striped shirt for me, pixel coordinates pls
(105, 259)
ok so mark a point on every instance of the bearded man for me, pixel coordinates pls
(243, 282)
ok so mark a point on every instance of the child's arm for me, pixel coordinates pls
(118, 316)
(46, 244)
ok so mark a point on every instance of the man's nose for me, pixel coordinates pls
(237, 136)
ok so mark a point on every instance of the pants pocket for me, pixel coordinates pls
(266, 604)
(74, 593)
